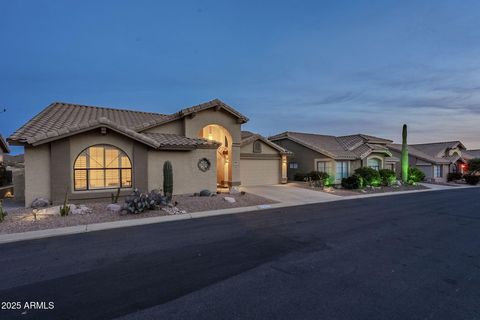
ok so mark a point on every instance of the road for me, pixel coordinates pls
(412, 256)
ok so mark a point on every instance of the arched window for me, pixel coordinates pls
(374, 163)
(102, 167)
(257, 147)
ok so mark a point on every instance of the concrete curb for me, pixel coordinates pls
(39, 234)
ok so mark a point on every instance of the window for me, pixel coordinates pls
(374, 163)
(323, 166)
(437, 171)
(257, 147)
(102, 167)
(341, 170)
(293, 165)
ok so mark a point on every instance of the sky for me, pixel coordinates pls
(330, 67)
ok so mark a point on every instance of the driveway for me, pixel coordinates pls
(288, 193)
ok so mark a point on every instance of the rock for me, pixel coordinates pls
(51, 211)
(81, 209)
(40, 203)
(234, 190)
(114, 208)
(173, 210)
(229, 199)
(205, 193)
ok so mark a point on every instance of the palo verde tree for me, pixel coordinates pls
(404, 160)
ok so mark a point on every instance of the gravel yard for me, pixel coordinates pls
(346, 192)
(22, 219)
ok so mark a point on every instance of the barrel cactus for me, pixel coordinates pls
(168, 180)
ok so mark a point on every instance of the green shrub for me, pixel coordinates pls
(300, 176)
(318, 179)
(415, 175)
(353, 182)
(454, 176)
(472, 179)
(370, 176)
(387, 176)
(474, 165)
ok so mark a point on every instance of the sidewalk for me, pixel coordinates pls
(30, 235)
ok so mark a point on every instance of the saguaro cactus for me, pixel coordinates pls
(404, 161)
(168, 180)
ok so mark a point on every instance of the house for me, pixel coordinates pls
(3, 148)
(337, 156)
(87, 152)
(475, 153)
(437, 159)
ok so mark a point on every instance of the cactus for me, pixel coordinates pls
(3, 213)
(404, 160)
(168, 180)
(139, 202)
(116, 196)
(65, 208)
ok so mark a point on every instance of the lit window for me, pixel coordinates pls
(341, 170)
(323, 166)
(102, 167)
(374, 163)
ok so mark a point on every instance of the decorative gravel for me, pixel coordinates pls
(345, 192)
(22, 219)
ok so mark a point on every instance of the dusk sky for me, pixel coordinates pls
(330, 67)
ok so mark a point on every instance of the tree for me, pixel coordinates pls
(404, 155)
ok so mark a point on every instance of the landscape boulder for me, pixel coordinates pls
(229, 199)
(40, 203)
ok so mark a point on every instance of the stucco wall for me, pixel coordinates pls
(266, 149)
(37, 173)
(174, 127)
(187, 177)
(305, 157)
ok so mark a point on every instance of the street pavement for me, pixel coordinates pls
(411, 256)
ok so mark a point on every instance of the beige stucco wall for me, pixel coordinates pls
(187, 177)
(229, 122)
(37, 173)
(266, 149)
(174, 127)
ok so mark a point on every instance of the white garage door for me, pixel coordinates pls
(259, 172)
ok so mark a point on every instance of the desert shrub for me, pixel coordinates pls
(300, 176)
(454, 176)
(387, 176)
(474, 165)
(472, 179)
(3, 213)
(370, 176)
(415, 175)
(353, 182)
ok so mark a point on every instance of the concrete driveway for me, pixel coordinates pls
(288, 193)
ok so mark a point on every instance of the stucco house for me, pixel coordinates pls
(338, 156)
(3, 148)
(474, 153)
(437, 159)
(88, 151)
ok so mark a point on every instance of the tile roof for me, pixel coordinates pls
(167, 140)
(60, 120)
(438, 149)
(4, 145)
(350, 147)
(248, 137)
(414, 151)
(474, 153)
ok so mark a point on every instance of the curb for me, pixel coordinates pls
(40, 234)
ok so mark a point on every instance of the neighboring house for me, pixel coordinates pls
(3, 148)
(88, 151)
(474, 153)
(436, 160)
(338, 156)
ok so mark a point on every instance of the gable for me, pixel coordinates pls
(265, 148)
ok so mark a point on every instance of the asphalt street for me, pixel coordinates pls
(412, 256)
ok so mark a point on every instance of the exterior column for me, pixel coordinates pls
(284, 169)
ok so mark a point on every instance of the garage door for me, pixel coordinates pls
(259, 172)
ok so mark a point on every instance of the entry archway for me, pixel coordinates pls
(215, 132)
